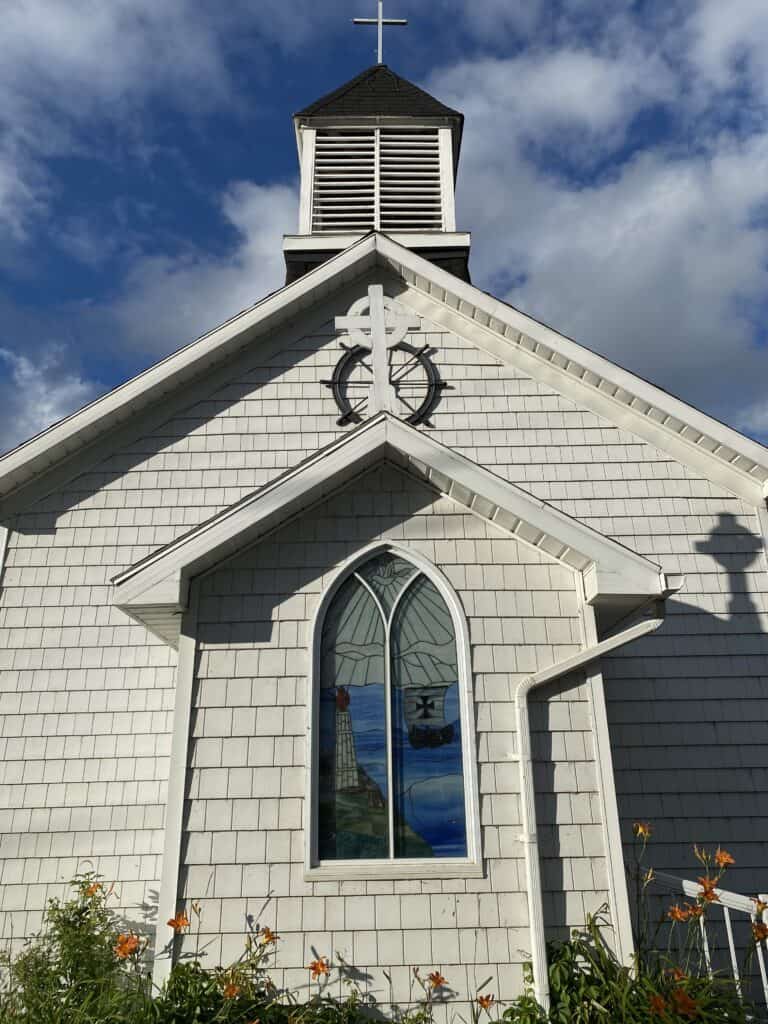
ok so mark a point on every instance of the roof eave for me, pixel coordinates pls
(690, 436)
(70, 436)
(611, 572)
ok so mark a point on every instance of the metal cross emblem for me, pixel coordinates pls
(385, 330)
(380, 21)
(424, 707)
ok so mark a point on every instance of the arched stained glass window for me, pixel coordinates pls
(390, 762)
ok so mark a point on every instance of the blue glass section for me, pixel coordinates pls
(428, 775)
(352, 813)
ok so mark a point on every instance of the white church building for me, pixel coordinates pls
(378, 614)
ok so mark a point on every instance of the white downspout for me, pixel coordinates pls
(5, 537)
(527, 789)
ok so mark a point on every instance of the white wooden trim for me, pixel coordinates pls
(5, 539)
(177, 777)
(762, 518)
(307, 152)
(695, 439)
(49, 448)
(377, 178)
(471, 865)
(606, 784)
(613, 568)
(405, 870)
(447, 179)
(529, 837)
(410, 239)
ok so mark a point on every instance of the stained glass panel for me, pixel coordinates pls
(386, 576)
(418, 674)
(430, 818)
(353, 813)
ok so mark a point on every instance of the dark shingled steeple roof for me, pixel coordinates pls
(379, 92)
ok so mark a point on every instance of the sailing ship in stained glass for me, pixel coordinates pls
(390, 747)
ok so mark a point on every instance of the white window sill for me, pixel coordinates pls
(376, 870)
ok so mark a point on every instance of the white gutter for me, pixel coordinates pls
(527, 790)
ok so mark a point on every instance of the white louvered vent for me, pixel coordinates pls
(387, 179)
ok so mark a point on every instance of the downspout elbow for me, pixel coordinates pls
(528, 836)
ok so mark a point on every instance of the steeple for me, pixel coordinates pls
(378, 154)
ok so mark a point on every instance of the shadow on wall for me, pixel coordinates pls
(688, 716)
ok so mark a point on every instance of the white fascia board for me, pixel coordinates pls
(232, 529)
(63, 439)
(410, 239)
(165, 577)
(689, 435)
(617, 569)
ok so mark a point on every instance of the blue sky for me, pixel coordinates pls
(614, 176)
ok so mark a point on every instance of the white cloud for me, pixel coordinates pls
(754, 419)
(169, 302)
(659, 262)
(37, 392)
(67, 65)
(19, 196)
(729, 43)
(493, 19)
(572, 90)
(655, 257)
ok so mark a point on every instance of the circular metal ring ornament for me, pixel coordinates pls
(415, 379)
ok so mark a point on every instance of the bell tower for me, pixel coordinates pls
(378, 154)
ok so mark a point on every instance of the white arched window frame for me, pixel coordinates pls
(441, 867)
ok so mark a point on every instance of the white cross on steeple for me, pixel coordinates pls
(380, 331)
(381, 21)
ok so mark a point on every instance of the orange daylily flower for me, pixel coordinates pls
(678, 913)
(684, 1005)
(677, 974)
(92, 889)
(268, 936)
(658, 1006)
(723, 859)
(126, 946)
(760, 931)
(436, 980)
(231, 990)
(642, 830)
(696, 909)
(759, 905)
(486, 1002)
(319, 967)
(708, 893)
(179, 922)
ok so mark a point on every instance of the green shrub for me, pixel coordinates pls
(86, 967)
(589, 985)
(70, 973)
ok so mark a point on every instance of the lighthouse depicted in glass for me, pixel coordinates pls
(391, 778)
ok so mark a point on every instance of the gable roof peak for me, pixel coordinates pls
(714, 450)
(378, 92)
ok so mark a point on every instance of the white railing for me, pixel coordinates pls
(727, 903)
